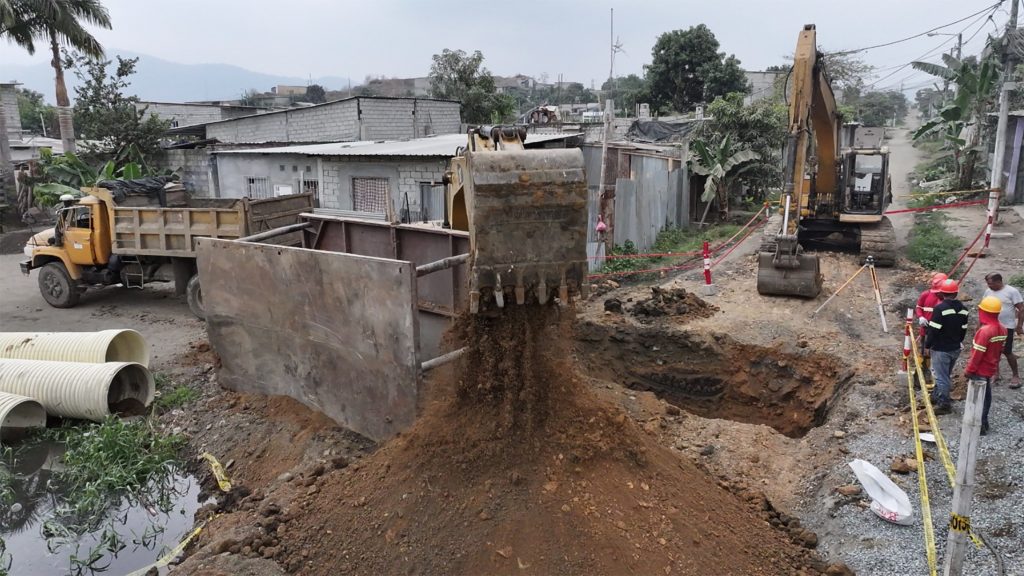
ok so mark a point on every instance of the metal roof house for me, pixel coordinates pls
(391, 180)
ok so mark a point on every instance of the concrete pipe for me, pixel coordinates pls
(80, 390)
(18, 414)
(93, 347)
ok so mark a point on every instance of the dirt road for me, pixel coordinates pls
(162, 318)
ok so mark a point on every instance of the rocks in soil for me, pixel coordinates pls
(849, 490)
(613, 305)
(672, 302)
(902, 465)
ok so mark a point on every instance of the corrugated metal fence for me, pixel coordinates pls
(647, 203)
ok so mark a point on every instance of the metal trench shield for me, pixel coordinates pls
(337, 332)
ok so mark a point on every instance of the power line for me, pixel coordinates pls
(992, 7)
(982, 19)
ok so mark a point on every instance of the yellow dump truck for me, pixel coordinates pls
(97, 242)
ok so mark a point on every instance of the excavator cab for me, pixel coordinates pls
(526, 214)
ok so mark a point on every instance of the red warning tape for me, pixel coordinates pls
(938, 207)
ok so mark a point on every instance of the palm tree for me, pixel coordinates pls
(975, 91)
(721, 164)
(60, 23)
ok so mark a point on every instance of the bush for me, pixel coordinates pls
(930, 244)
(1017, 281)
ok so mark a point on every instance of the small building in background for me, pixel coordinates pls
(396, 181)
(360, 118)
(762, 85)
(189, 114)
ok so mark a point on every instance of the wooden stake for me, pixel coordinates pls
(963, 492)
(878, 293)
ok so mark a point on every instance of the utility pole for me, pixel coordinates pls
(1004, 105)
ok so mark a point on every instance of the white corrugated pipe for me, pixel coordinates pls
(94, 347)
(19, 413)
(80, 390)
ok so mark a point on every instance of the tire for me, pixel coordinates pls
(194, 295)
(57, 287)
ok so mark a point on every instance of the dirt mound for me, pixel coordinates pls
(517, 469)
(672, 302)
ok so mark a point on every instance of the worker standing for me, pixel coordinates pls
(945, 336)
(985, 351)
(926, 303)
(1011, 317)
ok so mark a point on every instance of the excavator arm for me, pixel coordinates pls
(786, 270)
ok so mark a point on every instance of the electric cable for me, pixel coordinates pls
(992, 7)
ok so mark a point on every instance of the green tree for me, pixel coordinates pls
(108, 117)
(975, 92)
(878, 108)
(455, 75)
(627, 91)
(721, 162)
(316, 94)
(35, 113)
(759, 127)
(686, 69)
(928, 101)
(61, 23)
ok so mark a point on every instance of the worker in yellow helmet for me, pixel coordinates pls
(986, 349)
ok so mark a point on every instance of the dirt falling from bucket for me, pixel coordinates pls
(516, 468)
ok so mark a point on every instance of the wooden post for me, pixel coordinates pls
(963, 492)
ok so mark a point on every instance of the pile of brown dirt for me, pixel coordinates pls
(672, 302)
(517, 469)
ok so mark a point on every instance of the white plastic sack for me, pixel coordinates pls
(889, 501)
(927, 437)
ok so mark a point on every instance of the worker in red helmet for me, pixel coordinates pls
(926, 303)
(986, 349)
(943, 341)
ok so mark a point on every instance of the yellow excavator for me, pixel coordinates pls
(526, 214)
(832, 198)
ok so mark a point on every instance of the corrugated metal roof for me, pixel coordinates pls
(442, 145)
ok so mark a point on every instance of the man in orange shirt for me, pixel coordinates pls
(926, 304)
(986, 350)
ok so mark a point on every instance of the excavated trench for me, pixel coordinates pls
(714, 376)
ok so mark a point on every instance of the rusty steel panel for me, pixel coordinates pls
(317, 326)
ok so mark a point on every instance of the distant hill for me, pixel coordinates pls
(162, 80)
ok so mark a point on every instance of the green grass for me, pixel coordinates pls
(930, 244)
(107, 461)
(1017, 281)
(670, 240)
(170, 395)
(176, 397)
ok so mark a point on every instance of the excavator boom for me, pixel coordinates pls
(784, 269)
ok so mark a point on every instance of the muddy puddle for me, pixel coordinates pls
(41, 537)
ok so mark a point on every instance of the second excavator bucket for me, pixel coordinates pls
(527, 216)
(796, 275)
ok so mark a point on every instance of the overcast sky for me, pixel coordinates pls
(396, 38)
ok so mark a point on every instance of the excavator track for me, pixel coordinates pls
(879, 240)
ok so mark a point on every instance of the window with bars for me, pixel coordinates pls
(370, 195)
(431, 201)
(258, 188)
(314, 187)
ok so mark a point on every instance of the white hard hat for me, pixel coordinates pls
(67, 198)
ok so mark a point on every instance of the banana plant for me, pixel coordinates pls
(975, 89)
(721, 164)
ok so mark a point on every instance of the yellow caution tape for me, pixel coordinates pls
(922, 480)
(218, 472)
(940, 440)
(170, 556)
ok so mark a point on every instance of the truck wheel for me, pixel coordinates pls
(194, 295)
(57, 287)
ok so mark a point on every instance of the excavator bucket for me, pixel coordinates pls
(788, 275)
(527, 212)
